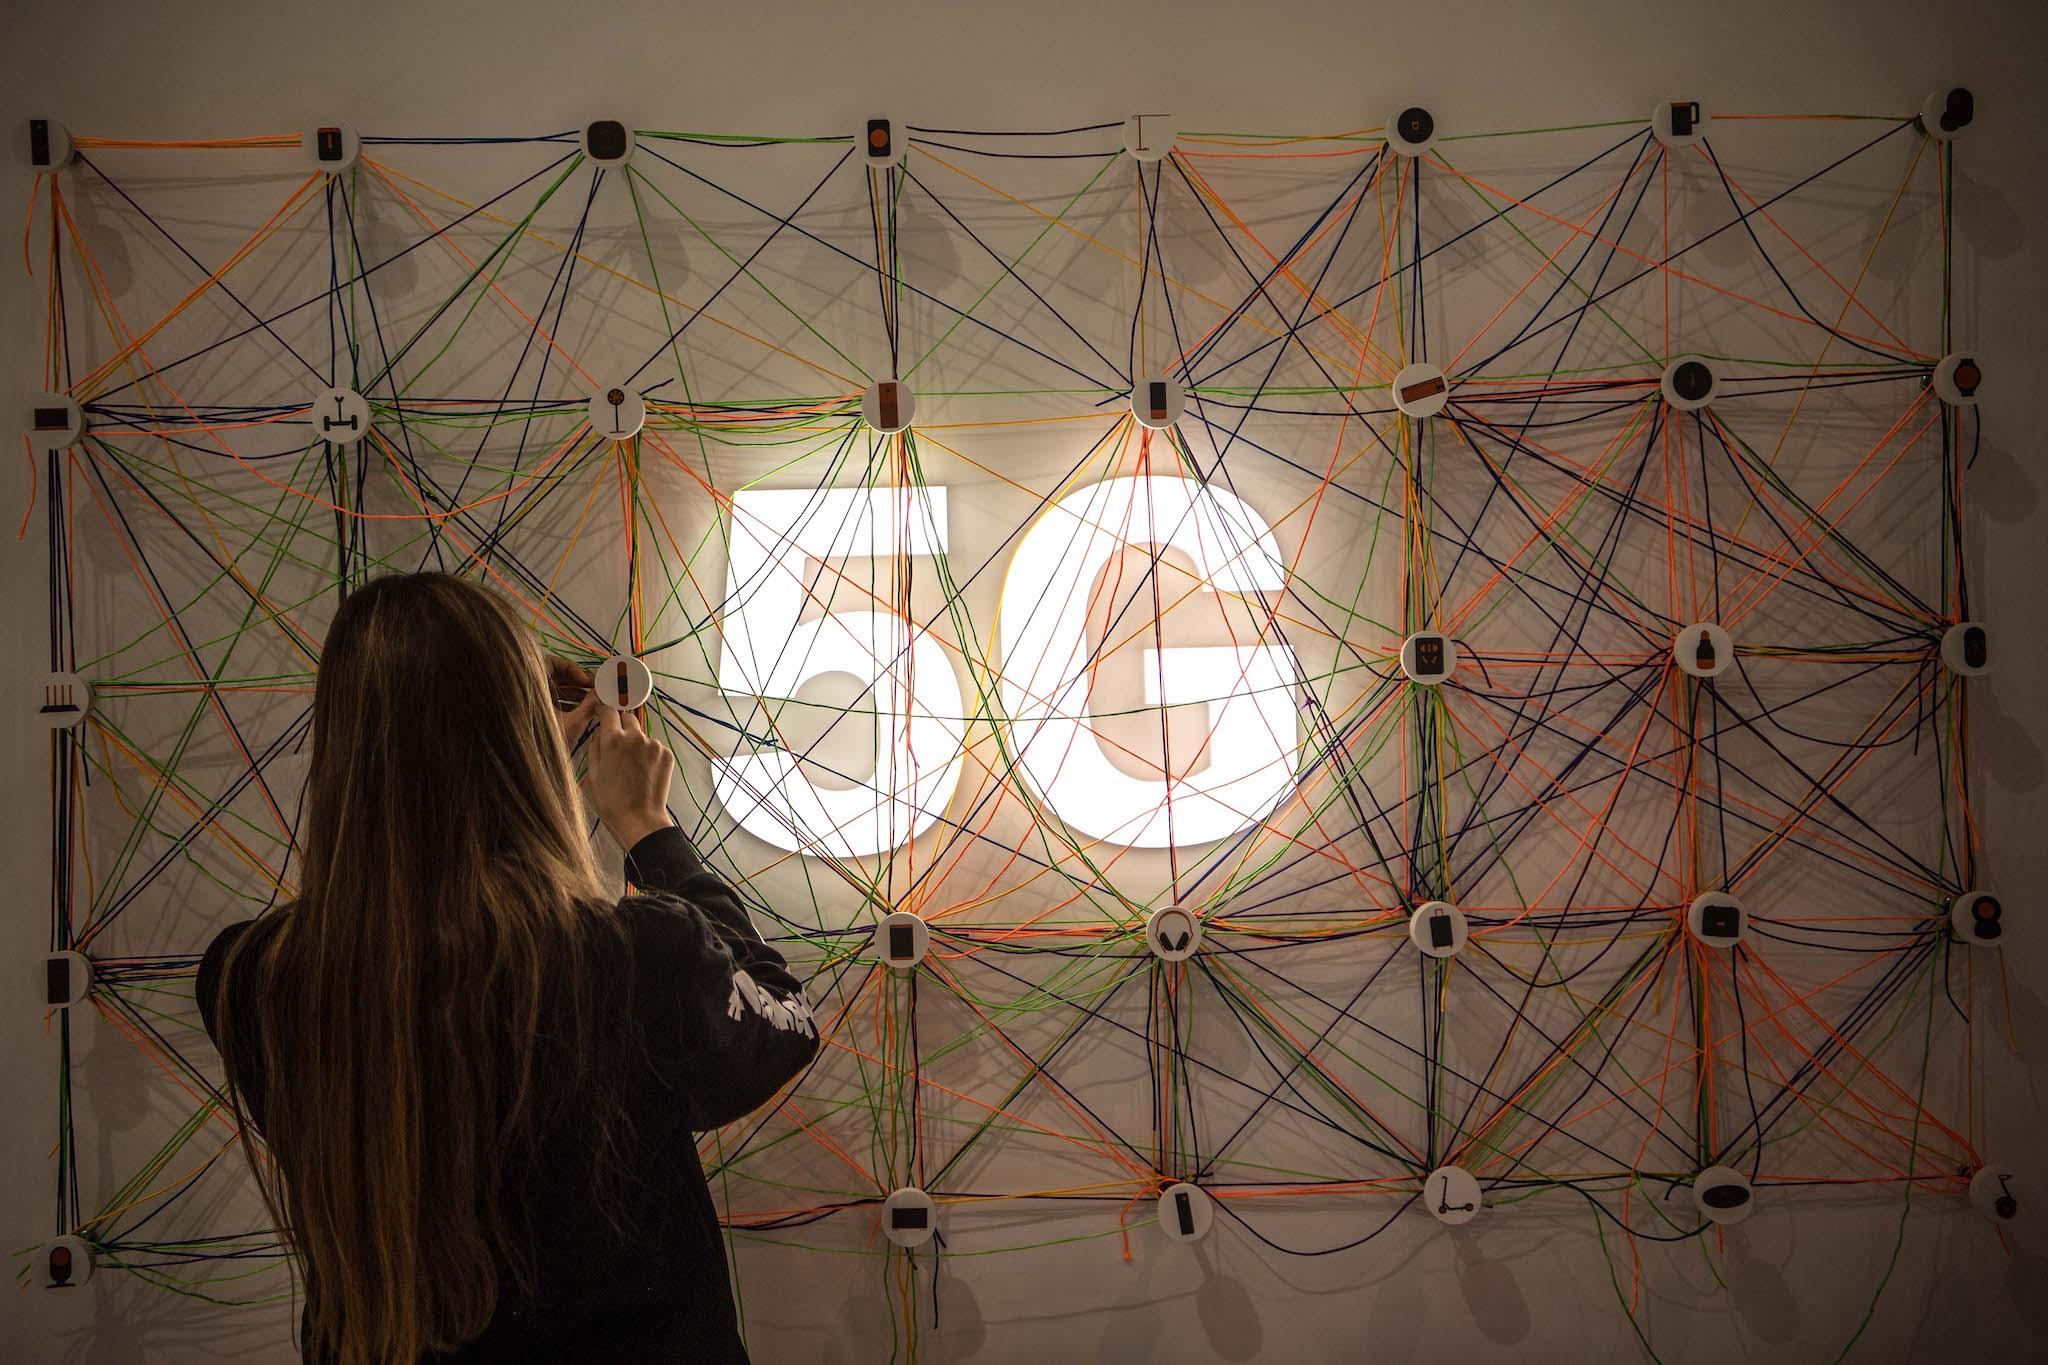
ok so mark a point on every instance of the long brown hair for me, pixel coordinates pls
(445, 894)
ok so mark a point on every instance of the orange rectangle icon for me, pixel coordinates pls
(1423, 388)
(885, 401)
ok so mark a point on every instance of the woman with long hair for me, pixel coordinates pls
(477, 1075)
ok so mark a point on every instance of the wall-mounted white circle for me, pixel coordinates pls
(1157, 402)
(1957, 377)
(330, 147)
(1438, 928)
(62, 700)
(1690, 381)
(1703, 650)
(909, 1217)
(1421, 390)
(1966, 648)
(1149, 137)
(1978, 918)
(340, 417)
(607, 141)
(623, 682)
(1173, 932)
(1994, 1192)
(888, 406)
(55, 421)
(1679, 123)
(64, 1263)
(67, 977)
(882, 141)
(1946, 112)
(1429, 658)
(1716, 919)
(1452, 1195)
(1185, 1212)
(901, 939)
(617, 413)
(1412, 131)
(49, 145)
(1722, 1194)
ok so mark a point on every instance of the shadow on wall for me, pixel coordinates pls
(1763, 1300)
(1493, 1297)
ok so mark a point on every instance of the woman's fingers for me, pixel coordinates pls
(561, 670)
(577, 719)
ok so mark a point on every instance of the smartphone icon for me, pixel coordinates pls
(1157, 394)
(914, 1216)
(1441, 934)
(900, 948)
(1184, 1211)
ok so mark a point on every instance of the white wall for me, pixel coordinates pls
(1533, 1287)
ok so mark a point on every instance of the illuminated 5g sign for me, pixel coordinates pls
(771, 652)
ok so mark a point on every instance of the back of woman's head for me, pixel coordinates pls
(444, 882)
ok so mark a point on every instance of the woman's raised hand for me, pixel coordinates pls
(574, 693)
(629, 774)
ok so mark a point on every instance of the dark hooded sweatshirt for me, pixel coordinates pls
(707, 1024)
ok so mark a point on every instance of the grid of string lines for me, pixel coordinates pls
(1569, 787)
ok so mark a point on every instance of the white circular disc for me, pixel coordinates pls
(614, 142)
(624, 670)
(1411, 131)
(1421, 390)
(1976, 923)
(1703, 650)
(1722, 1194)
(78, 978)
(897, 139)
(1429, 658)
(1173, 933)
(1149, 137)
(909, 1217)
(330, 147)
(63, 699)
(1157, 402)
(1452, 1195)
(1682, 386)
(901, 940)
(617, 413)
(1716, 919)
(1994, 1192)
(1957, 379)
(1438, 928)
(1185, 1212)
(888, 406)
(1934, 111)
(58, 147)
(55, 421)
(1965, 653)
(1664, 122)
(340, 417)
(64, 1263)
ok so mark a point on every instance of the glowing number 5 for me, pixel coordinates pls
(770, 652)
(1247, 688)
